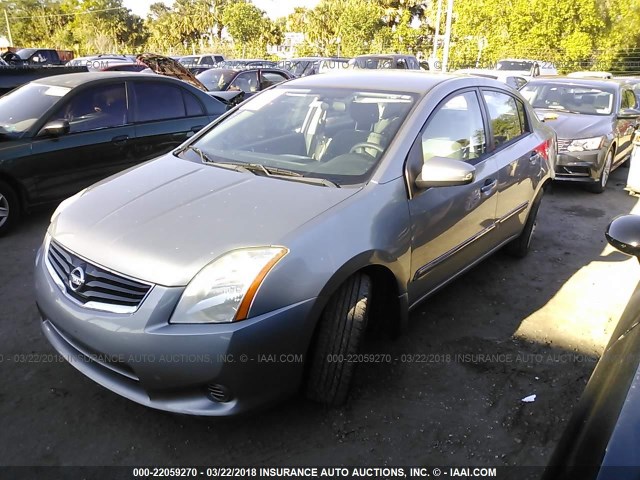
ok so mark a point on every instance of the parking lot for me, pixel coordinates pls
(451, 393)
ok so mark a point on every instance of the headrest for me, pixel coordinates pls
(394, 109)
(364, 113)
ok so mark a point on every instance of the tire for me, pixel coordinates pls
(339, 335)
(601, 184)
(519, 247)
(9, 208)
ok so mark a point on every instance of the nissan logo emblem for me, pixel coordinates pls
(76, 279)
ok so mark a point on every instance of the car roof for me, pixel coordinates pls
(72, 80)
(404, 81)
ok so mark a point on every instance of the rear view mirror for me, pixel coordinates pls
(623, 233)
(445, 172)
(57, 128)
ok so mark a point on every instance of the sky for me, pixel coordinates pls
(274, 8)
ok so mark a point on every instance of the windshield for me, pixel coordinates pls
(331, 134)
(514, 65)
(20, 109)
(578, 99)
(216, 80)
(189, 60)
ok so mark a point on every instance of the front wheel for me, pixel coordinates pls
(601, 184)
(9, 207)
(338, 338)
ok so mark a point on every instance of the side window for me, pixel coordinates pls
(149, 109)
(455, 130)
(628, 99)
(401, 64)
(96, 107)
(504, 116)
(192, 105)
(271, 78)
(246, 82)
(207, 60)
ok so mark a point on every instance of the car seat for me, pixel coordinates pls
(364, 115)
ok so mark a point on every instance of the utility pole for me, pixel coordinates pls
(447, 36)
(435, 38)
(6, 18)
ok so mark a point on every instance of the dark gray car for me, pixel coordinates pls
(594, 120)
(249, 261)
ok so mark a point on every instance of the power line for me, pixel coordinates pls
(70, 14)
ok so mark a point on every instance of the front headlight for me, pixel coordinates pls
(223, 290)
(65, 203)
(584, 144)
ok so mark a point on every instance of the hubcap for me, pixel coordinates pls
(4, 210)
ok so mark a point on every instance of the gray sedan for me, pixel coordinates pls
(594, 120)
(248, 262)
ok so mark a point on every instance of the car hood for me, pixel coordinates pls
(574, 125)
(170, 68)
(163, 221)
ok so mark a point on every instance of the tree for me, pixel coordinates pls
(245, 23)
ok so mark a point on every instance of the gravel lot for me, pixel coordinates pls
(506, 330)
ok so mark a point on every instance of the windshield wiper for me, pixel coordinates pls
(289, 175)
(207, 159)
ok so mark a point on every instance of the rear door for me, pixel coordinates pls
(452, 227)
(516, 152)
(166, 114)
(98, 144)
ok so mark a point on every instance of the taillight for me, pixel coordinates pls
(543, 149)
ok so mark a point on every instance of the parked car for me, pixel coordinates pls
(385, 61)
(590, 74)
(600, 440)
(248, 63)
(33, 57)
(515, 81)
(527, 67)
(100, 62)
(303, 66)
(253, 257)
(594, 120)
(211, 60)
(633, 83)
(228, 83)
(60, 134)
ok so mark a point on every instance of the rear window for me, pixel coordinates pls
(149, 108)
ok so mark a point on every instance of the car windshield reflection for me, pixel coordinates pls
(331, 134)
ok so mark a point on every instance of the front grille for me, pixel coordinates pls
(563, 144)
(99, 288)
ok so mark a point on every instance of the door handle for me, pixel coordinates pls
(489, 187)
(120, 139)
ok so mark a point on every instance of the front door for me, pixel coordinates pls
(451, 226)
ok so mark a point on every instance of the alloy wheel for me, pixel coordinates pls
(4, 209)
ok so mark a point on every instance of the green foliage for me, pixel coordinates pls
(576, 34)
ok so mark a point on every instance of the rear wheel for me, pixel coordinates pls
(339, 335)
(9, 207)
(520, 246)
(601, 184)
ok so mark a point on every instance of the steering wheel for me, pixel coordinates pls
(364, 145)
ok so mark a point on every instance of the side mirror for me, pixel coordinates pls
(628, 113)
(57, 128)
(445, 172)
(623, 234)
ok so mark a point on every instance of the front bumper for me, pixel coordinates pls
(580, 166)
(172, 367)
